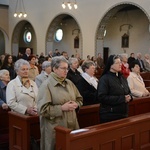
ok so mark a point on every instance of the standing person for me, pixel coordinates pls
(21, 92)
(131, 58)
(27, 53)
(100, 61)
(58, 99)
(87, 85)
(33, 71)
(147, 62)
(135, 81)
(125, 66)
(4, 79)
(73, 74)
(140, 61)
(113, 92)
(46, 70)
(9, 65)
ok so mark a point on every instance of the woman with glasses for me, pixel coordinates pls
(58, 99)
(113, 92)
(21, 92)
(73, 74)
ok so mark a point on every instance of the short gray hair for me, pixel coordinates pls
(46, 64)
(72, 60)
(57, 60)
(2, 72)
(19, 63)
(87, 64)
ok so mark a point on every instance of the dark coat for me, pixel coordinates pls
(142, 67)
(74, 76)
(111, 95)
(87, 91)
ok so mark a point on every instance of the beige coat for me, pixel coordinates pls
(136, 85)
(50, 98)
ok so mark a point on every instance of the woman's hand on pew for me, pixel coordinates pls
(145, 94)
(128, 98)
(5, 106)
(31, 111)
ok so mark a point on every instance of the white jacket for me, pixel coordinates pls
(19, 97)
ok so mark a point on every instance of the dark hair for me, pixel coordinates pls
(132, 64)
(30, 57)
(5, 62)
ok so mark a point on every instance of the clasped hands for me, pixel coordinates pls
(69, 106)
(31, 111)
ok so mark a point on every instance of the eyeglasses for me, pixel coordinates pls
(63, 68)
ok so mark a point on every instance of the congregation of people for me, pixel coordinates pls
(56, 86)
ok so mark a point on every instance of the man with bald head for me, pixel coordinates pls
(27, 53)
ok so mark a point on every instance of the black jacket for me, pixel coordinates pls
(111, 94)
(87, 91)
(74, 76)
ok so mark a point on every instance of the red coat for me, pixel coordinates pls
(125, 71)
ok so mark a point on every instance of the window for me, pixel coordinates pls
(27, 36)
(58, 35)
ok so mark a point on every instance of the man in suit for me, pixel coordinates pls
(46, 70)
(27, 54)
(140, 62)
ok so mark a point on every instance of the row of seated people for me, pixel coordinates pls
(21, 95)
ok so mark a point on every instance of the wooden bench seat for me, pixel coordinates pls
(131, 133)
(22, 127)
(4, 129)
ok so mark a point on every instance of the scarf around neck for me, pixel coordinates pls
(58, 79)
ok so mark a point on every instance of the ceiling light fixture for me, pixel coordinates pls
(20, 9)
(69, 4)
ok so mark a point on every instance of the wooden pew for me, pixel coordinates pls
(4, 129)
(148, 88)
(88, 115)
(21, 129)
(130, 133)
(145, 75)
(147, 83)
(139, 106)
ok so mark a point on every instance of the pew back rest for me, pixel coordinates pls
(139, 106)
(88, 115)
(4, 125)
(129, 133)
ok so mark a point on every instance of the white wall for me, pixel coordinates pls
(139, 38)
(88, 15)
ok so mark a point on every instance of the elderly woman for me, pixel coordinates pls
(58, 100)
(87, 85)
(4, 79)
(113, 92)
(46, 70)
(21, 92)
(73, 73)
(136, 82)
(125, 66)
